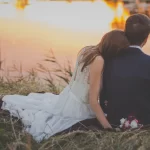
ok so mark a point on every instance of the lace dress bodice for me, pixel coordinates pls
(79, 84)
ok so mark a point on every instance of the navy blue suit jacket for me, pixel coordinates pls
(126, 86)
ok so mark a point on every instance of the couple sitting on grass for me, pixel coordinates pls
(111, 81)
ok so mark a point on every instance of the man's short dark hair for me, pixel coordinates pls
(137, 28)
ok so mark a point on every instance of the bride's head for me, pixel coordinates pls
(110, 44)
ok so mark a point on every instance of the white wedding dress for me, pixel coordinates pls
(44, 115)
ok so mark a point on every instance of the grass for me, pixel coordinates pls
(12, 136)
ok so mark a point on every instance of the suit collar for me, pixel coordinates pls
(136, 46)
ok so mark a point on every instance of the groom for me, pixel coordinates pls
(126, 82)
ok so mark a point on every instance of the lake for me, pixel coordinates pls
(27, 34)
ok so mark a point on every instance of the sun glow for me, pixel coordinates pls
(121, 14)
(21, 4)
(76, 15)
(89, 16)
(85, 16)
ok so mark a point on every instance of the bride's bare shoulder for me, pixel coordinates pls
(97, 64)
(98, 61)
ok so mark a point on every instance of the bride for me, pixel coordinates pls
(44, 115)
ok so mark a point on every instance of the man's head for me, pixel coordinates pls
(137, 29)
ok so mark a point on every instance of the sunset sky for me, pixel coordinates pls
(27, 34)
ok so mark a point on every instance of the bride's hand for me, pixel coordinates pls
(107, 126)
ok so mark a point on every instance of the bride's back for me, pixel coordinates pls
(75, 97)
(79, 83)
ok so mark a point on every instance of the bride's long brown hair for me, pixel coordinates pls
(110, 44)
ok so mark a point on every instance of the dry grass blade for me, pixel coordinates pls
(64, 73)
(15, 145)
(63, 78)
